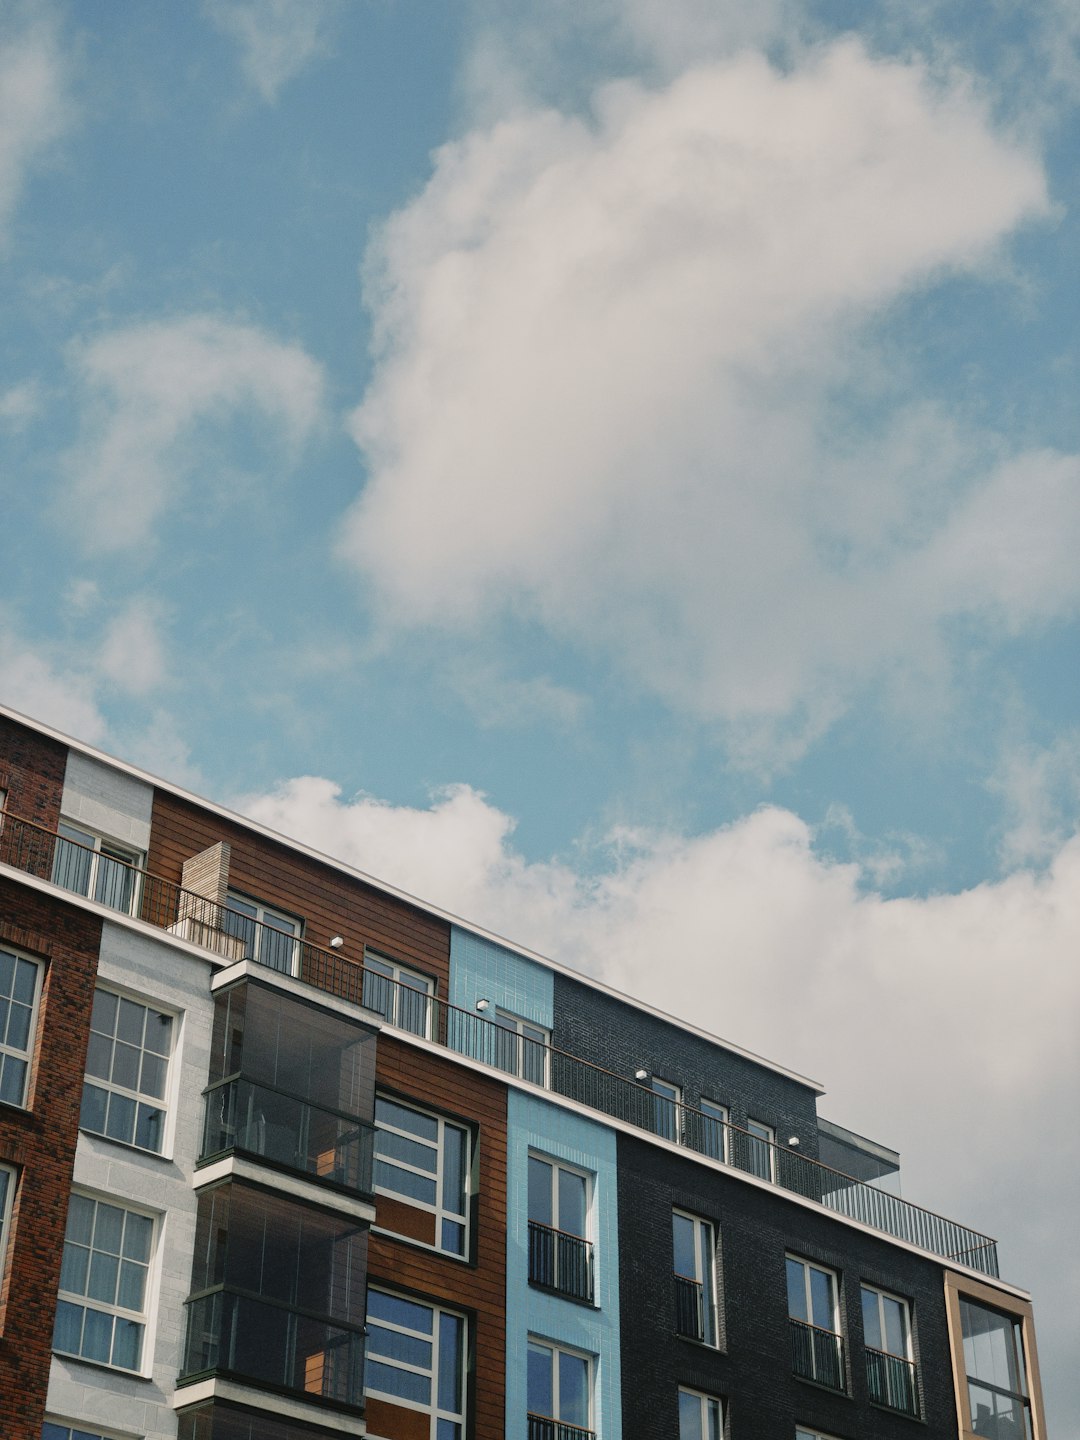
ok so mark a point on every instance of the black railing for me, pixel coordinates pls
(689, 1308)
(250, 1338)
(817, 1354)
(31, 848)
(561, 1262)
(542, 1427)
(260, 1120)
(892, 1381)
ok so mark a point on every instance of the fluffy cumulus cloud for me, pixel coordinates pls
(147, 394)
(277, 38)
(35, 106)
(45, 687)
(945, 1026)
(608, 353)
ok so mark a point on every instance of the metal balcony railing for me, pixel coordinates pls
(689, 1308)
(560, 1262)
(32, 848)
(817, 1354)
(542, 1427)
(892, 1381)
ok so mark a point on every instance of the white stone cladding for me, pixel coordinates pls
(108, 801)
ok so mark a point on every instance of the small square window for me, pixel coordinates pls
(127, 1071)
(20, 990)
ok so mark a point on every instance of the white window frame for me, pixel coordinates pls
(717, 1115)
(439, 1209)
(434, 1339)
(669, 1095)
(708, 1405)
(706, 1248)
(14, 1052)
(764, 1136)
(556, 1348)
(526, 1033)
(557, 1166)
(100, 847)
(68, 1428)
(138, 1097)
(10, 1177)
(834, 1280)
(142, 1318)
(289, 927)
(399, 978)
(802, 1433)
(880, 1295)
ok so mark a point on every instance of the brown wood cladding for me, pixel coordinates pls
(480, 1289)
(328, 902)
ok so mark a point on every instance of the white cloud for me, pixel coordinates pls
(132, 654)
(20, 405)
(46, 689)
(148, 391)
(605, 355)
(35, 107)
(927, 1019)
(277, 38)
(1040, 788)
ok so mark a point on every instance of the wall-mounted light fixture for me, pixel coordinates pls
(641, 1074)
(336, 943)
(793, 1141)
(482, 1004)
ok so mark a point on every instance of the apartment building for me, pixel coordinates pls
(287, 1154)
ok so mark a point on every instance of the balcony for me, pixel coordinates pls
(31, 849)
(817, 1354)
(689, 1308)
(560, 1262)
(542, 1427)
(892, 1382)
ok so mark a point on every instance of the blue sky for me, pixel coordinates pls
(611, 468)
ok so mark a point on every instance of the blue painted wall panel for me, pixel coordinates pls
(480, 969)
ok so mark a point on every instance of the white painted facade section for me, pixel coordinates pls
(108, 801)
(171, 978)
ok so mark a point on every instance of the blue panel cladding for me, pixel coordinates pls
(482, 970)
(534, 1124)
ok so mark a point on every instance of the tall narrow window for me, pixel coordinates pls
(424, 1161)
(758, 1143)
(521, 1048)
(400, 995)
(20, 986)
(559, 1393)
(560, 1256)
(416, 1360)
(269, 936)
(714, 1129)
(694, 1246)
(95, 867)
(814, 1320)
(666, 1103)
(127, 1066)
(104, 1278)
(997, 1381)
(701, 1417)
(7, 1199)
(890, 1371)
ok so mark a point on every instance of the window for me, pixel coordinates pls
(713, 1124)
(104, 1276)
(53, 1431)
(7, 1199)
(416, 1359)
(701, 1417)
(803, 1434)
(814, 1321)
(400, 995)
(560, 1256)
(127, 1064)
(95, 867)
(521, 1048)
(759, 1142)
(890, 1373)
(269, 936)
(20, 986)
(694, 1247)
(559, 1393)
(424, 1160)
(665, 1108)
(997, 1384)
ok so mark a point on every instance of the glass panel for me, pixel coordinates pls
(573, 1389)
(405, 1182)
(689, 1416)
(453, 1198)
(420, 1155)
(396, 1311)
(796, 1290)
(540, 1191)
(871, 1320)
(821, 1296)
(425, 1126)
(393, 1345)
(405, 1384)
(572, 1203)
(896, 1340)
(450, 1343)
(685, 1249)
(541, 1396)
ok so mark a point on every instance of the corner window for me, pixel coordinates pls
(401, 996)
(890, 1372)
(701, 1417)
(694, 1247)
(20, 988)
(424, 1161)
(416, 1360)
(814, 1321)
(104, 1279)
(98, 868)
(759, 1142)
(269, 936)
(560, 1255)
(521, 1048)
(996, 1370)
(127, 1066)
(666, 1102)
(559, 1393)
